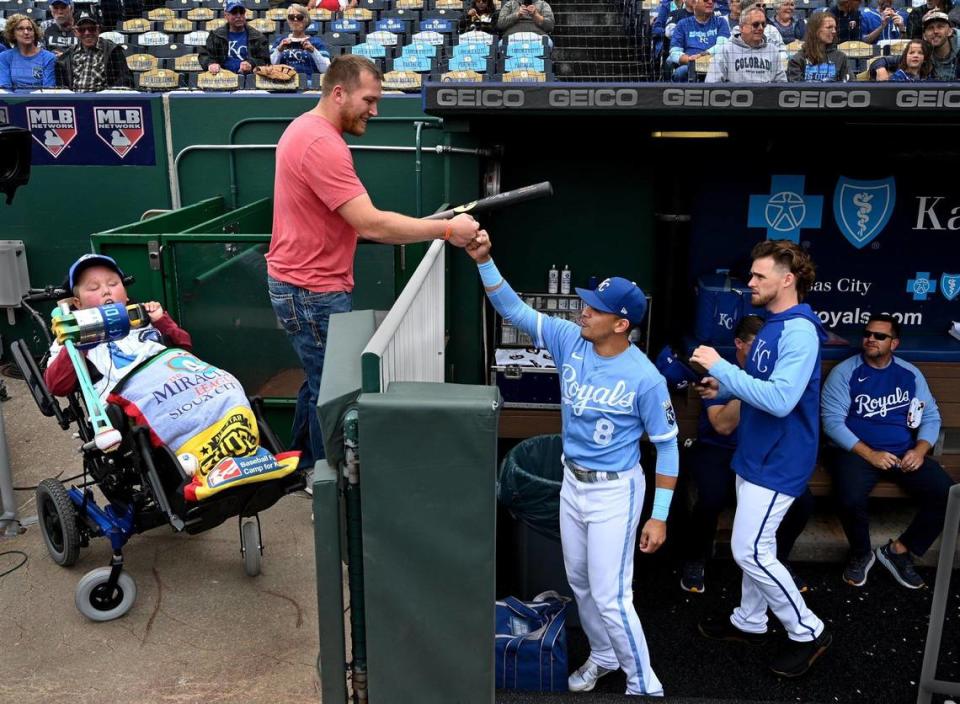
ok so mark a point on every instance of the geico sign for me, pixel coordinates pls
(480, 97)
(824, 99)
(707, 97)
(928, 98)
(593, 97)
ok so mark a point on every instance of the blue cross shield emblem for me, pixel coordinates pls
(863, 208)
(950, 286)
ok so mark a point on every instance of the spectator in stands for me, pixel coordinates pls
(943, 41)
(666, 10)
(915, 20)
(481, 17)
(892, 23)
(849, 20)
(880, 413)
(694, 37)
(58, 34)
(235, 46)
(770, 34)
(308, 55)
(916, 63)
(710, 466)
(748, 57)
(790, 27)
(25, 65)
(331, 5)
(819, 60)
(954, 16)
(525, 16)
(684, 10)
(94, 63)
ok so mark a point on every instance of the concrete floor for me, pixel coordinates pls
(200, 630)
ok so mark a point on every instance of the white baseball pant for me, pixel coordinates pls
(598, 529)
(766, 582)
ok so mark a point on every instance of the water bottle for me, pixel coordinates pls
(565, 276)
(553, 277)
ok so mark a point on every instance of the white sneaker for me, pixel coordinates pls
(585, 678)
(954, 330)
(308, 488)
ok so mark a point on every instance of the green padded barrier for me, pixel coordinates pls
(428, 459)
(347, 335)
(330, 606)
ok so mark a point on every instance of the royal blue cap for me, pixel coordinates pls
(61, 2)
(677, 374)
(233, 5)
(87, 261)
(618, 296)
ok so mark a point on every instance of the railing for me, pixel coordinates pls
(929, 684)
(409, 344)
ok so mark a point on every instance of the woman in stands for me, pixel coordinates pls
(791, 28)
(819, 60)
(481, 17)
(25, 65)
(916, 62)
(307, 55)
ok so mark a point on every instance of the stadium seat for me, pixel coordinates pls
(864, 75)
(138, 25)
(401, 14)
(449, 5)
(214, 24)
(180, 5)
(220, 82)
(339, 39)
(443, 21)
(345, 26)
(476, 37)
(856, 50)
(264, 26)
(528, 63)
(151, 39)
(469, 62)
(161, 79)
(473, 49)
(198, 38)
(522, 76)
(402, 81)
(402, 28)
(140, 62)
(895, 48)
(200, 14)
(257, 5)
(360, 14)
(169, 51)
(187, 63)
(409, 4)
(461, 77)
(417, 63)
(371, 50)
(161, 14)
(277, 14)
(383, 38)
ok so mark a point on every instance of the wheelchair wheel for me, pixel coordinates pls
(97, 603)
(250, 546)
(58, 522)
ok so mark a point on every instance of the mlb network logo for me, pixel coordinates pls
(120, 128)
(53, 128)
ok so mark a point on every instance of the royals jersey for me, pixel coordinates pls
(607, 403)
(880, 407)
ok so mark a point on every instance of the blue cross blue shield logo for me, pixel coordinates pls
(863, 208)
(950, 286)
(786, 209)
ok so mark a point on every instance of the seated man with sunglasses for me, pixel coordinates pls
(93, 63)
(308, 55)
(880, 413)
(235, 46)
(748, 57)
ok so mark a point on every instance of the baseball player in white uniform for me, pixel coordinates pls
(611, 393)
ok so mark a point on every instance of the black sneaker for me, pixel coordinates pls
(856, 571)
(799, 581)
(900, 566)
(691, 577)
(720, 628)
(796, 658)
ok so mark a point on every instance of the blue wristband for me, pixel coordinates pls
(489, 274)
(661, 503)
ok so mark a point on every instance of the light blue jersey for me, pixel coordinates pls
(607, 403)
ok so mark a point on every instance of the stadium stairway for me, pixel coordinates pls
(591, 45)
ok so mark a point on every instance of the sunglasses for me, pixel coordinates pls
(758, 25)
(296, 18)
(87, 30)
(880, 336)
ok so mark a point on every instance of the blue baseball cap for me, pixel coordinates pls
(87, 261)
(618, 296)
(677, 374)
(233, 5)
(62, 2)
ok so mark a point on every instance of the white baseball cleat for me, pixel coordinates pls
(586, 676)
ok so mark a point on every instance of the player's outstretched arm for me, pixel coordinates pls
(654, 532)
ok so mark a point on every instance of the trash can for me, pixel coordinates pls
(529, 488)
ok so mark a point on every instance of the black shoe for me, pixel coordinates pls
(799, 581)
(720, 628)
(900, 566)
(691, 577)
(796, 657)
(856, 571)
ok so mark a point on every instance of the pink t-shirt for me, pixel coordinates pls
(312, 245)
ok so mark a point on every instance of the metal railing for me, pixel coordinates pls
(929, 684)
(409, 344)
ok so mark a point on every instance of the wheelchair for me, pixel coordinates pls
(142, 485)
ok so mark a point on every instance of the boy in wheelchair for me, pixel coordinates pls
(197, 410)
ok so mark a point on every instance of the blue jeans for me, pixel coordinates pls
(305, 317)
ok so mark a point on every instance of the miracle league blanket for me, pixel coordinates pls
(201, 412)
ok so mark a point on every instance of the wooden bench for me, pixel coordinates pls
(943, 379)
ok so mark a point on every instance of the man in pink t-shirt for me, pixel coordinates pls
(320, 208)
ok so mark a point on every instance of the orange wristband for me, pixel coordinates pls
(448, 231)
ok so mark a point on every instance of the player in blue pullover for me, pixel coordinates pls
(610, 395)
(879, 411)
(779, 428)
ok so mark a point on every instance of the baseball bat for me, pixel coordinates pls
(501, 200)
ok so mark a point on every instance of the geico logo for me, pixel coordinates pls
(480, 97)
(707, 97)
(824, 99)
(593, 97)
(928, 99)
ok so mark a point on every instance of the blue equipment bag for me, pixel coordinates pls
(531, 643)
(722, 302)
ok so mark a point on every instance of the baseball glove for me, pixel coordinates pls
(276, 72)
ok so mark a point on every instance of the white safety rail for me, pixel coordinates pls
(409, 344)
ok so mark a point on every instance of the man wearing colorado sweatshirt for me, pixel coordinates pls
(779, 433)
(748, 57)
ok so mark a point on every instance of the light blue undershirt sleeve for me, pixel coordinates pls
(668, 457)
(508, 304)
(835, 405)
(797, 352)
